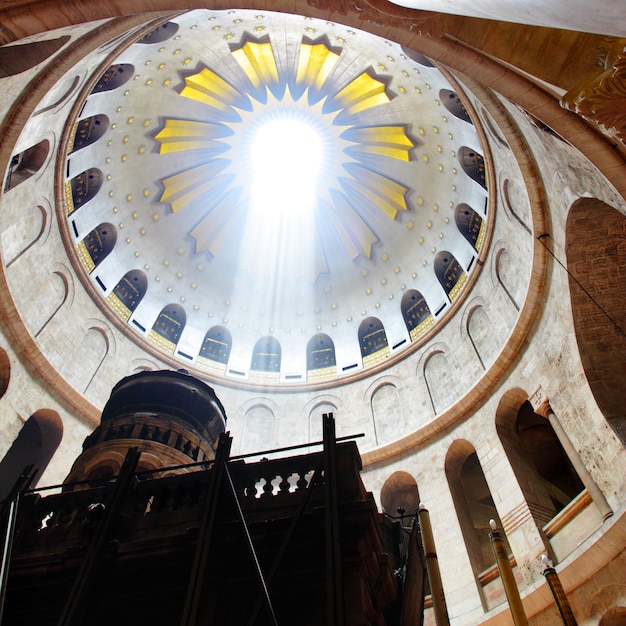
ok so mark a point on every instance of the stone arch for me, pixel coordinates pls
(596, 256)
(505, 275)
(319, 408)
(35, 444)
(5, 371)
(474, 506)
(516, 204)
(65, 94)
(60, 291)
(91, 351)
(400, 491)
(386, 413)
(615, 616)
(24, 234)
(479, 328)
(440, 380)
(492, 128)
(26, 164)
(257, 434)
(21, 57)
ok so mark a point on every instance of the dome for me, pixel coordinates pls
(270, 199)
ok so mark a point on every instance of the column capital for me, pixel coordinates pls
(540, 403)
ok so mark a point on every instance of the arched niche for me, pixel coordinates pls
(480, 331)
(26, 164)
(543, 471)
(58, 290)
(470, 225)
(372, 341)
(387, 414)
(596, 258)
(65, 93)
(474, 507)
(516, 203)
(316, 417)
(400, 493)
(128, 293)
(35, 445)
(97, 245)
(21, 57)
(416, 313)
(320, 358)
(440, 380)
(473, 164)
(453, 103)
(492, 128)
(266, 355)
(89, 130)
(507, 276)
(449, 273)
(217, 345)
(22, 235)
(5, 372)
(168, 328)
(82, 188)
(257, 434)
(160, 33)
(615, 616)
(114, 77)
(90, 351)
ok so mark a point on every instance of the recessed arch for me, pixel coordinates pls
(596, 257)
(160, 33)
(26, 233)
(26, 164)
(400, 491)
(217, 345)
(35, 444)
(266, 355)
(320, 357)
(5, 371)
(21, 57)
(470, 225)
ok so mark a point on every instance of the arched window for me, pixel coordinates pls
(160, 33)
(266, 355)
(320, 357)
(89, 130)
(127, 294)
(168, 328)
(470, 225)
(217, 345)
(474, 507)
(473, 165)
(114, 77)
(449, 273)
(81, 189)
(416, 313)
(453, 103)
(95, 247)
(373, 341)
(26, 164)
(35, 445)
(418, 57)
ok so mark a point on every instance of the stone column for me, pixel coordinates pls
(541, 406)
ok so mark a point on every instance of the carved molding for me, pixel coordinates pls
(600, 97)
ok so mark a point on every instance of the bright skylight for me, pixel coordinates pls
(286, 156)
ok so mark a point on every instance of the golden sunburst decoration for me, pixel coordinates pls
(352, 183)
